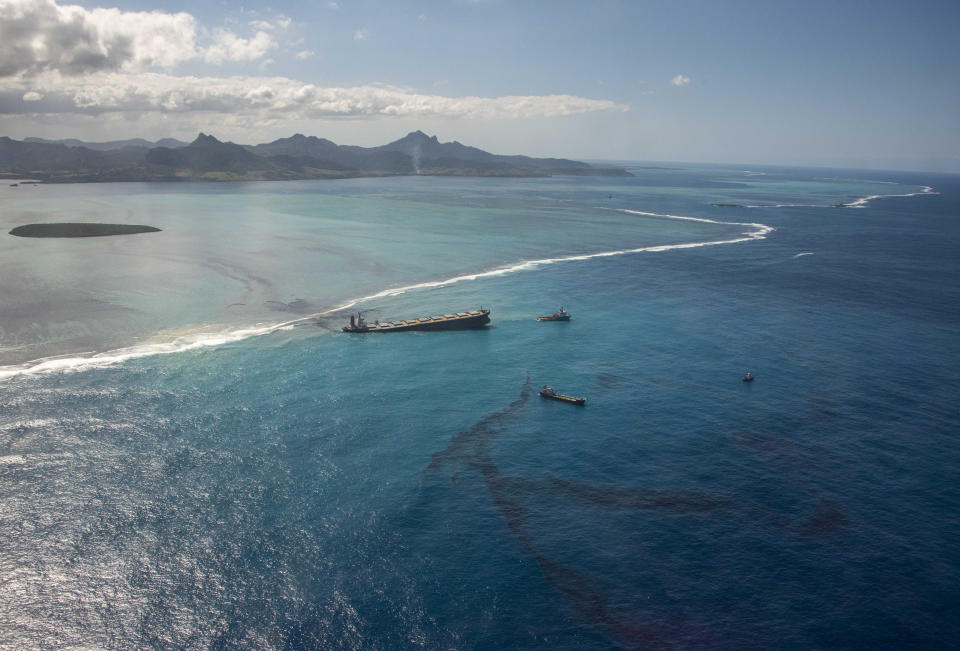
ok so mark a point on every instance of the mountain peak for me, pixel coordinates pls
(419, 135)
(204, 139)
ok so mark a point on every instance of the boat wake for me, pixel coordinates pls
(206, 338)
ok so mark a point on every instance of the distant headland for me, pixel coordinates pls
(295, 158)
(80, 229)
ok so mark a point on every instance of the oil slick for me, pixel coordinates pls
(473, 450)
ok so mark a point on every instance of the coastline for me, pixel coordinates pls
(321, 175)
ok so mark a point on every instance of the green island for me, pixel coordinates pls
(80, 229)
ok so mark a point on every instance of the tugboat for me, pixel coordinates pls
(472, 320)
(748, 377)
(559, 315)
(548, 392)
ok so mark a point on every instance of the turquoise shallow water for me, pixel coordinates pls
(309, 489)
(231, 256)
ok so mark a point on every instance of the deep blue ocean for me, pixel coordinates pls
(193, 456)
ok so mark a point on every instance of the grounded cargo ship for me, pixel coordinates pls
(458, 321)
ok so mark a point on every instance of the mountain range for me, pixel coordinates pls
(296, 157)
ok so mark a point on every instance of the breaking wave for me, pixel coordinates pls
(181, 344)
(206, 338)
(856, 203)
(863, 201)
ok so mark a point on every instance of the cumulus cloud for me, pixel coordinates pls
(227, 46)
(59, 60)
(42, 35)
(267, 98)
(680, 80)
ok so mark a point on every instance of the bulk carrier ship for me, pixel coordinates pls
(459, 321)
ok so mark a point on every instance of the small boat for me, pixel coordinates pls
(548, 392)
(559, 315)
(748, 377)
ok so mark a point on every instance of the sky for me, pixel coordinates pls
(843, 83)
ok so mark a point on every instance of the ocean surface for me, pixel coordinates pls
(193, 456)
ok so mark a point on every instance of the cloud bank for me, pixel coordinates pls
(58, 59)
(54, 92)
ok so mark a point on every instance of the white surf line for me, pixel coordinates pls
(862, 202)
(208, 339)
(109, 358)
(760, 232)
(800, 255)
(858, 203)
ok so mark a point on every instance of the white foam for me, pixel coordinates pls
(199, 340)
(109, 358)
(800, 255)
(858, 203)
(863, 201)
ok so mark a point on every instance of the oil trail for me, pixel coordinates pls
(473, 448)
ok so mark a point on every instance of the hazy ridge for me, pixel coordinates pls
(293, 158)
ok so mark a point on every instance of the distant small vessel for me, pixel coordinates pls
(559, 315)
(748, 377)
(459, 321)
(548, 392)
(14, 185)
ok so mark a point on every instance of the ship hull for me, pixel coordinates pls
(460, 321)
(559, 397)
